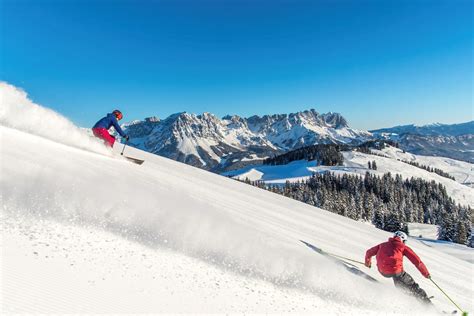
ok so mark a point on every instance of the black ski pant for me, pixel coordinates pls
(405, 282)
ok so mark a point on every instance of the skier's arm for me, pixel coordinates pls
(411, 255)
(369, 254)
(117, 127)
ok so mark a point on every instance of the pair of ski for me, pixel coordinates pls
(454, 312)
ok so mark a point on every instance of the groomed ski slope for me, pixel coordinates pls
(83, 232)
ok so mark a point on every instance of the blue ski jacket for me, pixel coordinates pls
(109, 121)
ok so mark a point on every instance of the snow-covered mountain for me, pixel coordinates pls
(85, 231)
(446, 140)
(231, 142)
(431, 129)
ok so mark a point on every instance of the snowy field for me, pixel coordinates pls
(423, 230)
(84, 231)
(427, 234)
(357, 163)
(462, 171)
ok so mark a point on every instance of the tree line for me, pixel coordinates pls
(387, 201)
(324, 154)
(430, 169)
(378, 144)
(327, 154)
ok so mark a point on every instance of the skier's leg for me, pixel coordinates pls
(406, 282)
(102, 133)
(111, 140)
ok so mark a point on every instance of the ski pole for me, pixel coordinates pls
(329, 254)
(126, 141)
(344, 258)
(463, 313)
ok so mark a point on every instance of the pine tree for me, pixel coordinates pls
(471, 240)
(378, 219)
(447, 228)
(461, 233)
(368, 206)
(379, 215)
(374, 165)
(392, 223)
(351, 208)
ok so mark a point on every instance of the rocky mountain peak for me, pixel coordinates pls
(335, 120)
(212, 141)
(152, 119)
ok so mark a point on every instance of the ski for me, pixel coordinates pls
(349, 266)
(135, 160)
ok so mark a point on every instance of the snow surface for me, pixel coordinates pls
(462, 171)
(423, 230)
(253, 157)
(83, 232)
(357, 163)
(428, 235)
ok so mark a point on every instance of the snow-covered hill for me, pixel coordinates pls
(84, 232)
(428, 234)
(357, 163)
(462, 171)
(217, 144)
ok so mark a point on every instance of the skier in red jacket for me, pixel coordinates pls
(389, 257)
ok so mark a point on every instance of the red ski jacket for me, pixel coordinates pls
(389, 257)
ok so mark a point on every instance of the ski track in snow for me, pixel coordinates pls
(86, 233)
(143, 280)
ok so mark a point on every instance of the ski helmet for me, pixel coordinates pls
(118, 114)
(401, 235)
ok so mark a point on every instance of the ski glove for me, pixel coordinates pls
(127, 137)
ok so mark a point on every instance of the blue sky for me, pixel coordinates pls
(379, 63)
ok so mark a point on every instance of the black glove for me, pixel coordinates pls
(127, 137)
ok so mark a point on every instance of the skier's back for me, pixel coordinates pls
(389, 257)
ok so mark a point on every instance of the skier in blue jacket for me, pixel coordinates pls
(101, 128)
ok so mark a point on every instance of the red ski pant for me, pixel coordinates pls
(102, 133)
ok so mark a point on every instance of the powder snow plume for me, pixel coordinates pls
(19, 112)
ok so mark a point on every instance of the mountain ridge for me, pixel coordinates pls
(449, 140)
(216, 144)
(430, 129)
